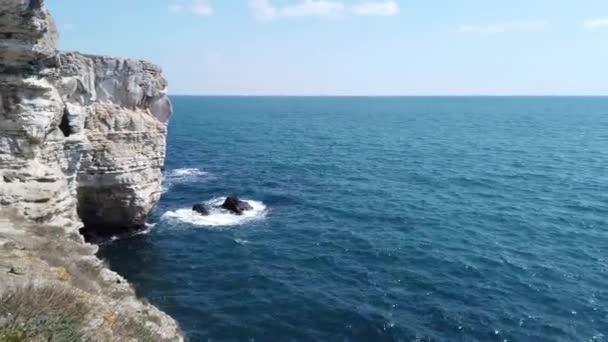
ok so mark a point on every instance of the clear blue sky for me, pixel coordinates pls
(352, 47)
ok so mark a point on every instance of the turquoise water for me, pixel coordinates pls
(382, 219)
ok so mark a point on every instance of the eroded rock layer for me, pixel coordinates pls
(121, 107)
(79, 133)
(82, 144)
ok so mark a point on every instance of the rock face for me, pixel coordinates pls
(44, 261)
(77, 131)
(82, 138)
(235, 205)
(38, 164)
(121, 107)
(200, 209)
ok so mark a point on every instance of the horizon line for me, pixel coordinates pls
(353, 95)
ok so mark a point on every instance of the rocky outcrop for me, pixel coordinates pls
(121, 107)
(201, 209)
(50, 274)
(234, 205)
(82, 138)
(37, 163)
(77, 128)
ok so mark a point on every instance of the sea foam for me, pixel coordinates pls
(186, 172)
(181, 176)
(217, 217)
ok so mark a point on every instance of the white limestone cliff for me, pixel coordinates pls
(82, 144)
(121, 108)
(77, 131)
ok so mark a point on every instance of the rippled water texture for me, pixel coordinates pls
(382, 219)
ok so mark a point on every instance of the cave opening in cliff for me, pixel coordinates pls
(64, 126)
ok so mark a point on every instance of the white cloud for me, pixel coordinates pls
(314, 8)
(196, 7)
(595, 24)
(515, 26)
(201, 7)
(264, 9)
(376, 8)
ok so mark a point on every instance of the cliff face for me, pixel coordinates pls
(82, 144)
(37, 163)
(78, 132)
(121, 107)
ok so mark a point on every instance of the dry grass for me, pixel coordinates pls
(84, 273)
(131, 329)
(61, 314)
(74, 299)
(42, 314)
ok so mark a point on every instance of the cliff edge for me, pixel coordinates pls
(82, 144)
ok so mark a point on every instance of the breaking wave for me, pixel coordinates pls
(217, 217)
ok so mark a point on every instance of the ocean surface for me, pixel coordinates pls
(381, 219)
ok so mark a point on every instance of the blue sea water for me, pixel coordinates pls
(382, 219)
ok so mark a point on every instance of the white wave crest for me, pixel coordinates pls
(186, 172)
(217, 217)
(145, 231)
(181, 176)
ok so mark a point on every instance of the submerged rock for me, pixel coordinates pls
(235, 205)
(200, 209)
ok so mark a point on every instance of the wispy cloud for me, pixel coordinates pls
(196, 7)
(595, 24)
(514, 26)
(201, 7)
(266, 10)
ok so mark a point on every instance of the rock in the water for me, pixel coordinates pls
(235, 205)
(200, 209)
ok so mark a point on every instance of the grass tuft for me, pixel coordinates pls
(42, 314)
(61, 314)
(13, 334)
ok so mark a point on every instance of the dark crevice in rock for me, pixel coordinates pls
(146, 101)
(35, 5)
(46, 180)
(41, 200)
(9, 98)
(100, 234)
(64, 126)
(104, 215)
